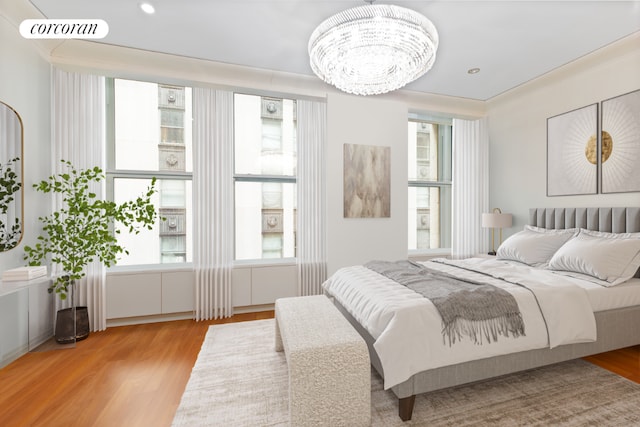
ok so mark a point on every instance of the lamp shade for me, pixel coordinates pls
(496, 220)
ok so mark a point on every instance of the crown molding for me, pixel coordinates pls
(16, 11)
(625, 46)
(123, 62)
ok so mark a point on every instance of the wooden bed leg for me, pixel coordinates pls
(405, 407)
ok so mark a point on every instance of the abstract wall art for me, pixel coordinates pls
(367, 181)
(621, 143)
(572, 152)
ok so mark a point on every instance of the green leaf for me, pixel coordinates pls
(83, 230)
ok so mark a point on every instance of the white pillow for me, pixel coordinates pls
(607, 258)
(534, 246)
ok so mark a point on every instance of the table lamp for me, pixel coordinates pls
(493, 220)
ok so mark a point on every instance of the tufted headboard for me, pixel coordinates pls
(611, 220)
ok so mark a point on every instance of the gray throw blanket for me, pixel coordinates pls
(467, 307)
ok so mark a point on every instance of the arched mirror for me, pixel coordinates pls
(10, 177)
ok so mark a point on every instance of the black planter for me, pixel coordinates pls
(64, 333)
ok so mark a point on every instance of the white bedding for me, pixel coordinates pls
(407, 327)
(602, 298)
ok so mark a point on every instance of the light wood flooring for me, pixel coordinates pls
(135, 375)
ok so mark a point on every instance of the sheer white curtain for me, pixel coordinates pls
(311, 182)
(213, 202)
(470, 187)
(78, 135)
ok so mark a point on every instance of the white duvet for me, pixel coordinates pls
(407, 327)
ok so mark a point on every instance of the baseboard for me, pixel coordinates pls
(40, 339)
(13, 355)
(253, 308)
(139, 320)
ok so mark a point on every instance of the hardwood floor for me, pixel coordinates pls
(624, 362)
(124, 376)
(135, 376)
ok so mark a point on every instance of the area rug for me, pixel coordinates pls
(239, 380)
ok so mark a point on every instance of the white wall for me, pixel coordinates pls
(518, 120)
(25, 86)
(366, 121)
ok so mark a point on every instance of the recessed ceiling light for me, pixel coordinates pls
(147, 8)
(473, 70)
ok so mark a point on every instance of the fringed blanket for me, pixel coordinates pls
(476, 310)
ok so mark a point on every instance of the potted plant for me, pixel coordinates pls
(82, 230)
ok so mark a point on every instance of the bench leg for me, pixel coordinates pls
(405, 407)
(278, 344)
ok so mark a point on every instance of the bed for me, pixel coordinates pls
(608, 319)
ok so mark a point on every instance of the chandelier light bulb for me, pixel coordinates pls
(373, 49)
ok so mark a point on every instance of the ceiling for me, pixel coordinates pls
(511, 42)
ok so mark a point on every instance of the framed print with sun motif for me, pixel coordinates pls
(621, 143)
(572, 147)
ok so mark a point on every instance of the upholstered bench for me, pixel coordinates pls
(328, 362)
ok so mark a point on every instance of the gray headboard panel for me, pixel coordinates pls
(612, 220)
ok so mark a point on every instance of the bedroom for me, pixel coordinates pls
(518, 134)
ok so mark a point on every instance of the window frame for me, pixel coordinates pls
(259, 178)
(438, 183)
(111, 174)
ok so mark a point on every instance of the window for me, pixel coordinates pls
(149, 135)
(429, 167)
(264, 177)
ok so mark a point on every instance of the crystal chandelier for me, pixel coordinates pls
(373, 49)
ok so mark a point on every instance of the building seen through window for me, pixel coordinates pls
(265, 177)
(149, 128)
(171, 157)
(429, 173)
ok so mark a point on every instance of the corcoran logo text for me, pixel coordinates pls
(64, 28)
